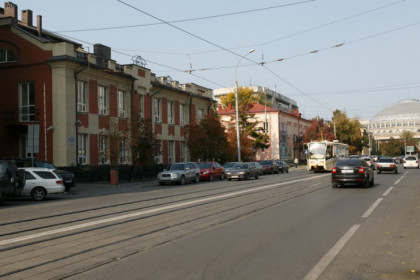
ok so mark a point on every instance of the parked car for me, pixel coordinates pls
(211, 170)
(283, 166)
(229, 165)
(386, 164)
(243, 170)
(352, 171)
(260, 169)
(270, 166)
(180, 172)
(411, 162)
(12, 180)
(68, 177)
(40, 182)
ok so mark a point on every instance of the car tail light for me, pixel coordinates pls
(378, 165)
(334, 170)
(59, 182)
(393, 165)
(361, 170)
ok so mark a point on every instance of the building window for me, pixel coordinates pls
(182, 114)
(103, 149)
(27, 102)
(156, 109)
(171, 151)
(6, 55)
(171, 113)
(102, 101)
(81, 96)
(122, 107)
(200, 114)
(82, 152)
(265, 127)
(141, 106)
(182, 155)
(122, 151)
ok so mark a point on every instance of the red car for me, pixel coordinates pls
(270, 166)
(211, 170)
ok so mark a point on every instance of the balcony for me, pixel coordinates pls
(12, 117)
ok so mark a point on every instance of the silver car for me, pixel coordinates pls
(180, 173)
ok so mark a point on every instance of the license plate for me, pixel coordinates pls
(68, 181)
(347, 171)
(234, 176)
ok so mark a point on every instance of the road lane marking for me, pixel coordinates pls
(150, 211)
(388, 191)
(372, 208)
(319, 268)
(52, 204)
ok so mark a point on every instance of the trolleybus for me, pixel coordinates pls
(322, 155)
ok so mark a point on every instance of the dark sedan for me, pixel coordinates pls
(352, 171)
(243, 170)
(270, 166)
(283, 166)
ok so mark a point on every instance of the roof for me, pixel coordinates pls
(256, 108)
(403, 108)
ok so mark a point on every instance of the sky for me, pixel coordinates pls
(357, 56)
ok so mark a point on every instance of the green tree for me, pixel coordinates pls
(349, 131)
(208, 140)
(392, 147)
(249, 128)
(407, 139)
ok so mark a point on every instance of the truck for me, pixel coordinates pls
(12, 180)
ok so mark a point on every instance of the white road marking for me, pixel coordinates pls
(388, 191)
(319, 268)
(52, 204)
(372, 208)
(150, 211)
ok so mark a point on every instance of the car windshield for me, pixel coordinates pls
(205, 165)
(317, 150)
(229, 164)
(241, 166)
(177, 166)
(410, 158)
(266, 162)
(3, 168)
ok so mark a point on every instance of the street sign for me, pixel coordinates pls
(409, 149)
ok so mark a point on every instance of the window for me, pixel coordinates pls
(103, 149)
(45, 174)
(182, 155)
(182, 114)
(156, 109)
(265, 127)
(102, 101)
(29, 176)
(141, 106)
(81, 96)
(82, 149)
(7, 55)
(171, 151)
(27, 102)
(171, 113)
(122, 108)
(200, 114)
(122, 151)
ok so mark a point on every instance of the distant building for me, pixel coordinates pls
(285, 129)
(278, 101)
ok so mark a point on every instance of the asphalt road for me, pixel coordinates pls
(283, 226)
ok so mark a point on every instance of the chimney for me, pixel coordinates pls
(39, 25)
(10, 10)
(27, 17)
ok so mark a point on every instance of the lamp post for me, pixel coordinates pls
(236, 105)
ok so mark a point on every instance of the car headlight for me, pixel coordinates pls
(206, 172)
(242, 172)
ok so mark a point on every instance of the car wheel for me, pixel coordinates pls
(395, 171)
(334, 184)
(182, 180)
(197, 178)
(246, 177)
(39, 193)
(161, 183)
(211, 177)
(366, 184)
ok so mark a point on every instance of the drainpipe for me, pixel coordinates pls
(76, 123)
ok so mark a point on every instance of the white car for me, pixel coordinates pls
(411, 162)
(40, 182)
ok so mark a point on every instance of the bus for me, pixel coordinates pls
(322, 155)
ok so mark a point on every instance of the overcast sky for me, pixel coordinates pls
(358, 56)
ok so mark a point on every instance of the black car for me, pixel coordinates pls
(12, 180)
(352, 171)
(67, 176)
(283, 166)
(243, 170)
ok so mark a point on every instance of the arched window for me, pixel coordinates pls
(6, 55)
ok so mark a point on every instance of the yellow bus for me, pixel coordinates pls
(322, 155)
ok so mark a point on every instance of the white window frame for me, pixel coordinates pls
(156, 109)
(7, 55)
(171, 112)
(81, 96)
(122, 107)
(141, 106)
(82, 149)
(103, 149)
(200, 115)
(182, 114)
(171, 151)
(27, 102)
(122, 151)
(102, 101)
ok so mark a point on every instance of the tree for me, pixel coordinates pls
(408, 140)
(252, 136)
(144, 143)
(208, 140)
(318, 131)
(392, 147)
(349, 132)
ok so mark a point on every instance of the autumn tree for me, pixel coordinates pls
(319, 130)
(349, 131)
(144, 143)
(208, 140)
(392, 147)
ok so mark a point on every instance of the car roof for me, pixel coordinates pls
(35, 169)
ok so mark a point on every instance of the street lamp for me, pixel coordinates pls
(236, 102)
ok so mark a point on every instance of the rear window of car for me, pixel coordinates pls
(349, 162)
(386, 160)
(410, 158)
(45, 174)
